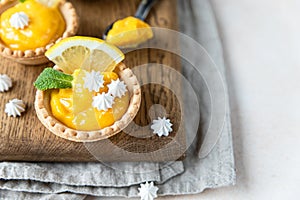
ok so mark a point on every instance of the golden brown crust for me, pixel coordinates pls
(43, 111)
(36, 56)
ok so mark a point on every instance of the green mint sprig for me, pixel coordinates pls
(53, 79)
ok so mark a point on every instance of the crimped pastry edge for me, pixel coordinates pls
(36, 56)
(44, 114)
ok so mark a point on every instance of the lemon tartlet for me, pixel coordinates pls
(28, 29)
(75, 110)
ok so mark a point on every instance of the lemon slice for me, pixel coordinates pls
(86, 53)
(82, 104)
(50, 3)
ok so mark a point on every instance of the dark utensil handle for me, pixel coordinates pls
(144, 9)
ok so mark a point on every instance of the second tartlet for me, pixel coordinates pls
(20, 23)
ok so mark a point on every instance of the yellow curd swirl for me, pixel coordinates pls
(61, 104)
(46, 24)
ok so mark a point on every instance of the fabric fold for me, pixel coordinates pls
(90, 174)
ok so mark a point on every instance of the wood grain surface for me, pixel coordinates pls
(26, 139)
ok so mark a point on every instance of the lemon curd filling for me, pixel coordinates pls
(129, 31)
(64, 104)
(45, 25)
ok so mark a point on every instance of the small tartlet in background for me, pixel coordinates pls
(37, 56)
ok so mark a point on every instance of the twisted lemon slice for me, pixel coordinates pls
(86, 53)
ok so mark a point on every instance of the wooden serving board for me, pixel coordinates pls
(26, 139)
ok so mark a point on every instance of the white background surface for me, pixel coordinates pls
(261, 40)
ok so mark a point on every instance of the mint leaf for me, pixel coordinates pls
(22, 1)
(53, 79)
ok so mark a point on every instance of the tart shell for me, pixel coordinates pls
(36, 56)
(43, 110)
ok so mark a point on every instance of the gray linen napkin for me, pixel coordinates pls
(193, 175)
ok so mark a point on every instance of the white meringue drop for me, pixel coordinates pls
(117, 88)
(19, 20)
(93, 81)
(148, 191)
(162, 126)
(5, 83)
(103, 101)
(14, 107)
